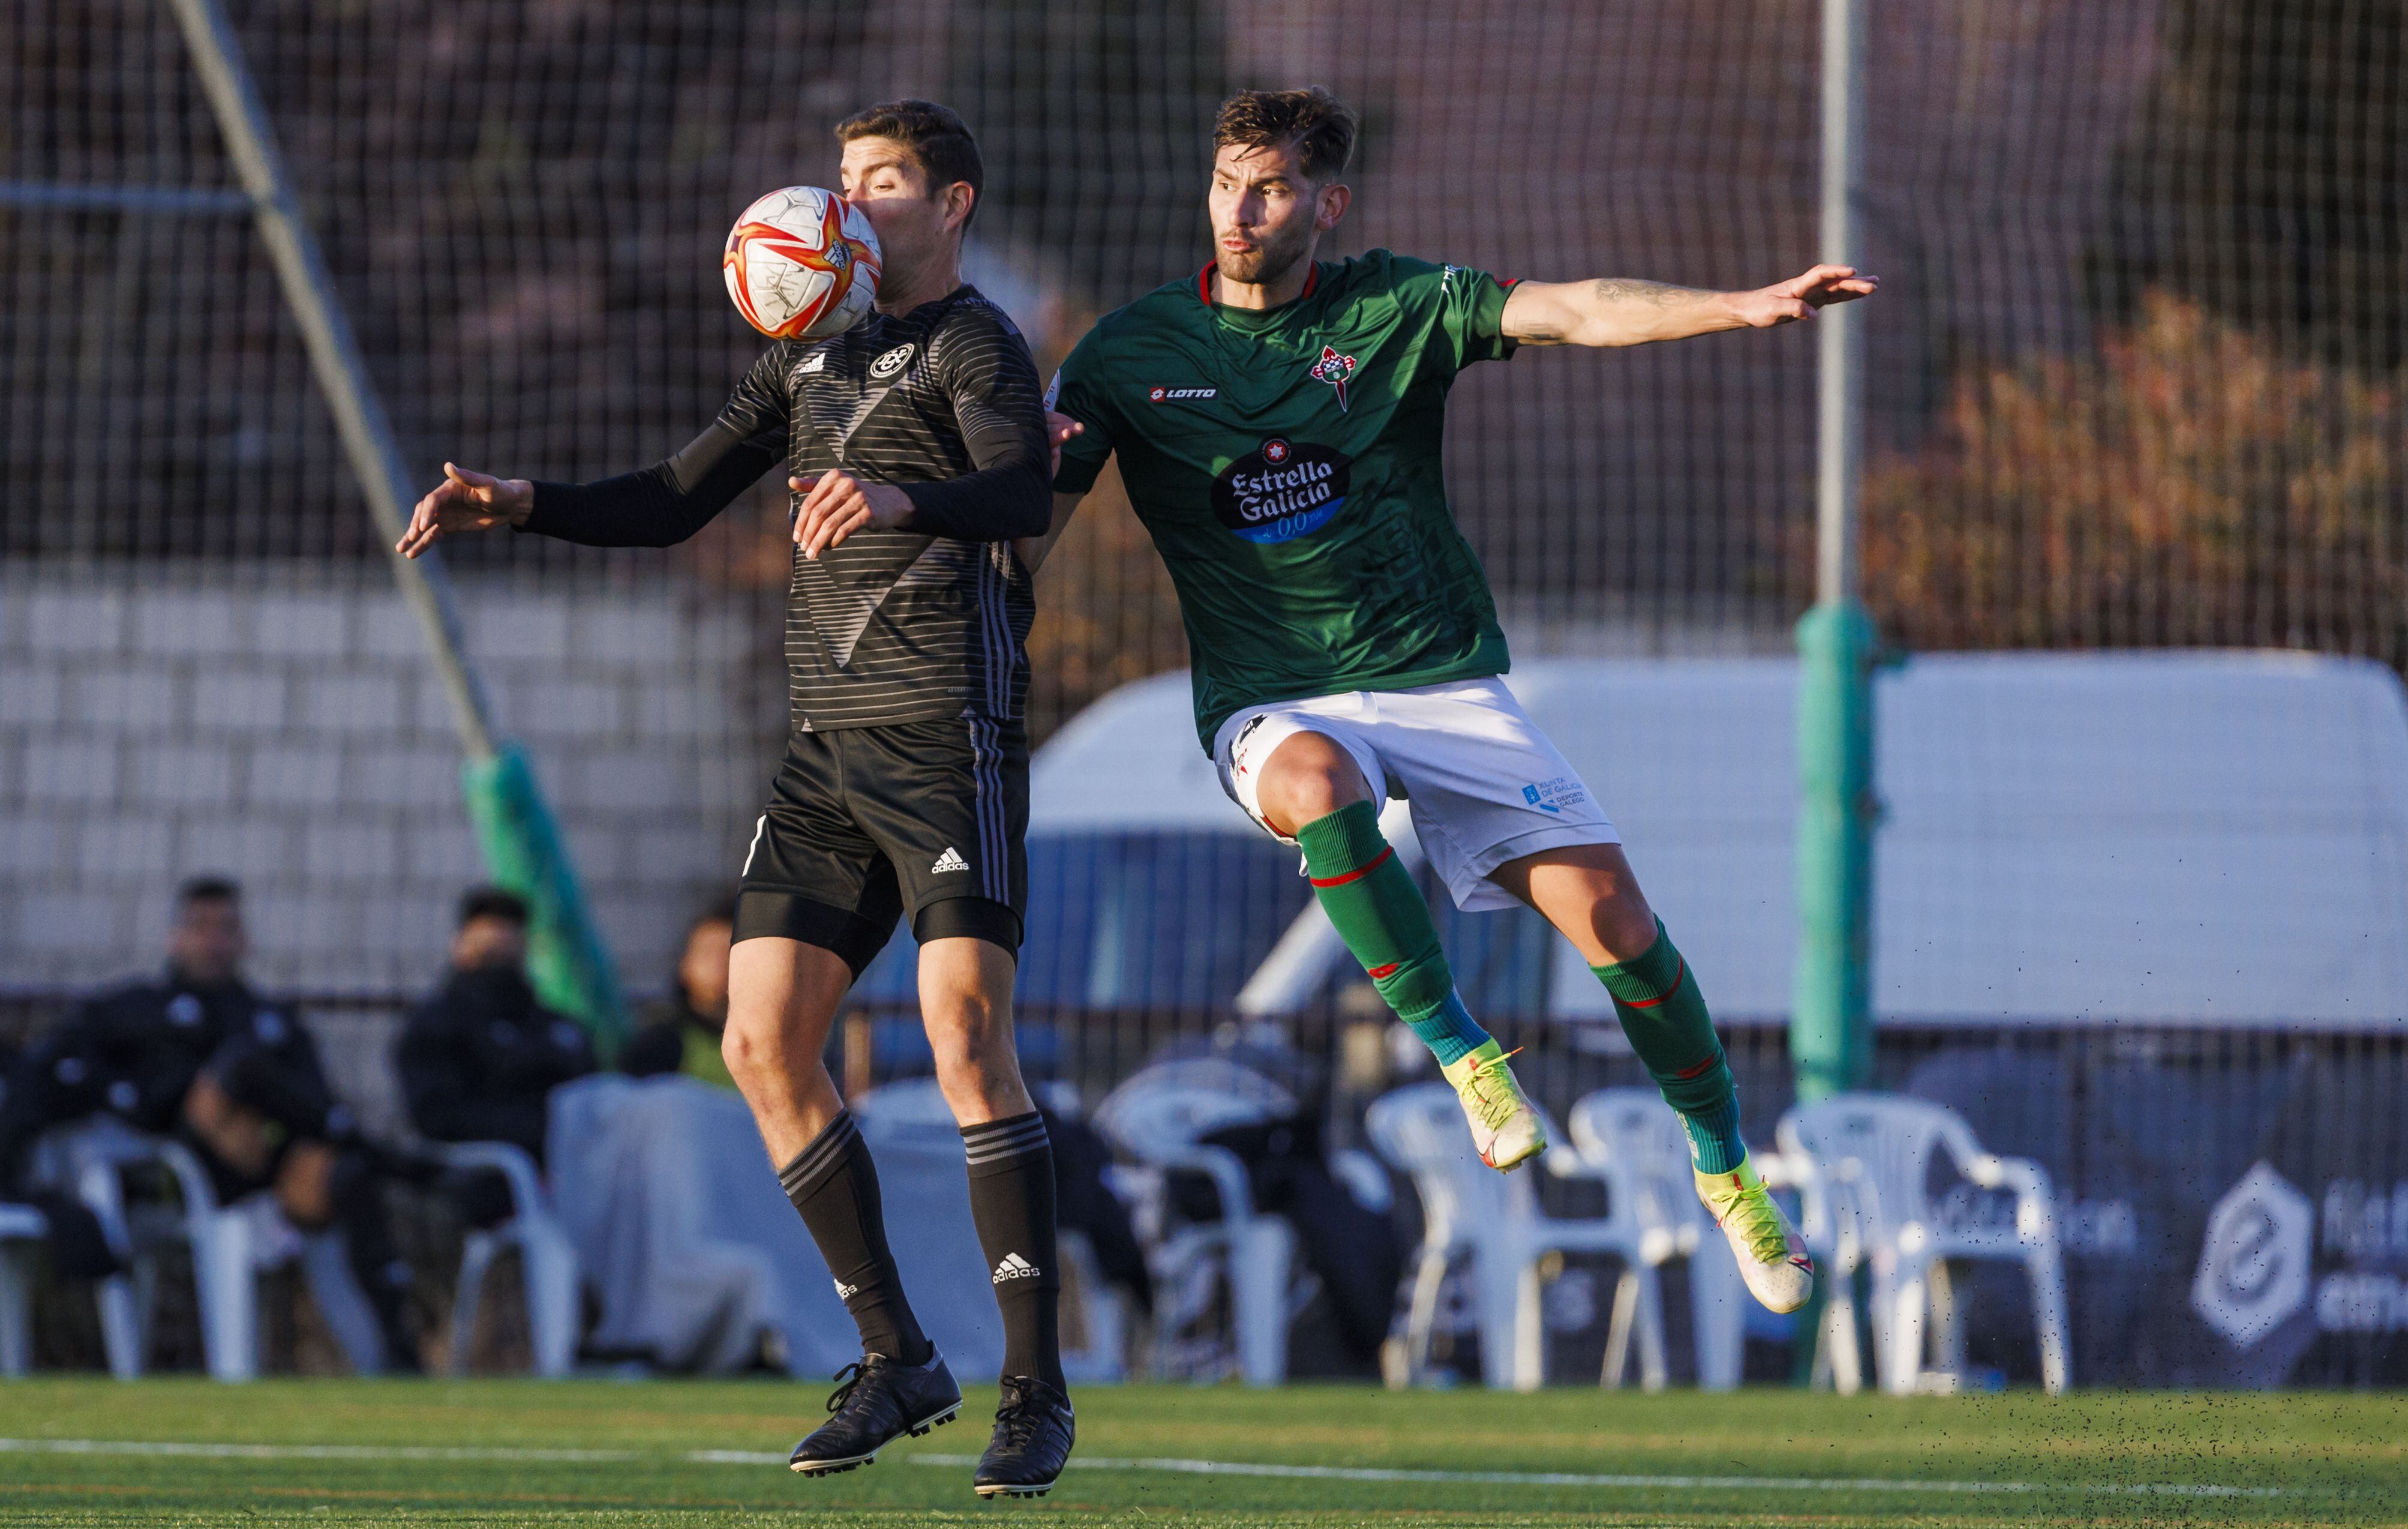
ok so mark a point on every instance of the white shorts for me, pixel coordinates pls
(1484, 783)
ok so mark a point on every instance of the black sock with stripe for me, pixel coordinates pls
(833, 1184)
(1012, 1199)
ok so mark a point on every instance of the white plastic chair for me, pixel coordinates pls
(229, 1244)
(1408, 1129)
(547, 1261)
(21, 1231)
(1469, 1209)
(1832, 1224)
(1867, 1159)
(1157, 1117)
(1633, 1140)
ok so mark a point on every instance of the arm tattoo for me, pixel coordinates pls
(1616, 288)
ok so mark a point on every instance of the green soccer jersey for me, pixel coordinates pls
(1288, 466)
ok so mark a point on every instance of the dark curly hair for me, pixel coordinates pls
(1319, 124)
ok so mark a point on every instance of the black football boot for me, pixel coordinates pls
(1033, 1432)
(878, 1401)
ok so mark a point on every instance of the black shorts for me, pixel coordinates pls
(866, 825)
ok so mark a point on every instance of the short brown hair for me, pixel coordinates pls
(1319, 124)
(938, 138)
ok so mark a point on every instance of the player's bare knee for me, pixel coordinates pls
(967, 1032)
(1625, 926)
(979, 1075)
(1307, 778)
(753, 1046)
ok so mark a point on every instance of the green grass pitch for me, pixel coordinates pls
(184, 1451)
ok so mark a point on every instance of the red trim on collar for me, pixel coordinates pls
(1204, 282)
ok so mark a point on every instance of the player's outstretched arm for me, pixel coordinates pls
(1614, 310)
(465, 501)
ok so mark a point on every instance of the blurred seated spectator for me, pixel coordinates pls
(77, 1247)
(681, 1033)
(198, 1054)
(478, 1058)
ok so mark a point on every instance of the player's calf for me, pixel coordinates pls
(1662, 1011)
(1381, 914)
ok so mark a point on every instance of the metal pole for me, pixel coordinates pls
(1839, 394)
(522, 847)
(334, 353)
(1830, 1037)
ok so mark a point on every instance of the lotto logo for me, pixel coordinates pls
(1181, 394)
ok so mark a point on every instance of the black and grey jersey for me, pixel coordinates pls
(926, 621)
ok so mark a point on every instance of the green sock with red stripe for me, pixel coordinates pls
(1380, 913)
(1664, 1016)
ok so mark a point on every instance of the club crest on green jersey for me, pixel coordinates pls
(1334, 370)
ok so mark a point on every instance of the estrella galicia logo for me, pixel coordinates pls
(1283, 490)
(1334, 370)
(891, 362)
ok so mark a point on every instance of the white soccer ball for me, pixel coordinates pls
(802, 264)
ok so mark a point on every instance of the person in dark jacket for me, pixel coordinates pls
(479, 1058)
(199, 1055)
(681, 1033)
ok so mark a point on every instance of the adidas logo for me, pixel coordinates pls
(845, 1291)
(1014, 1267)
(950, 860)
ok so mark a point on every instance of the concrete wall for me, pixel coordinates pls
(265, 722)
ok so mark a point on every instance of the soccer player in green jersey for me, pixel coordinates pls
(1278, 421)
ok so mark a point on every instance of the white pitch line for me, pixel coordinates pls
(1690, 1483)
(1184, 1467)
(303, 1451)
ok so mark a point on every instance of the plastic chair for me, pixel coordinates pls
(547, 1261)
(1633, 1140)
(21, 1231)
(1158, 1117)
(1869, 1158)
(1406, 1128)
(229, 1244)
(1469, 1208)
(1832, 1224)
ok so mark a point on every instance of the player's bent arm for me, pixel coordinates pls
(986, 371)
(996, 503)
(1034, 550)
(1615, 311)
(658, 506)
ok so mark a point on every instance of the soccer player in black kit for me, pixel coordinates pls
(917, 451)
